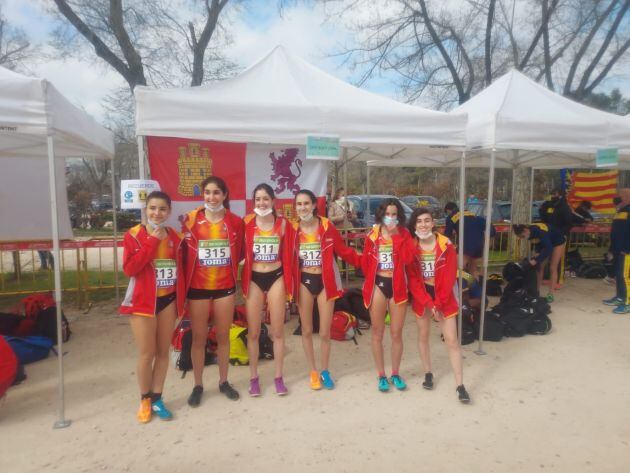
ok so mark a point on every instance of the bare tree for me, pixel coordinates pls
(146, 41)
(15, 47)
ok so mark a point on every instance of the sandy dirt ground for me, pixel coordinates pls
(554, 403)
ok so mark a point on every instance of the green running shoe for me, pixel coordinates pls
(383, 384)
(160, 410)
(398, 382)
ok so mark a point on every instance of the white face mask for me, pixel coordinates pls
(154, 225)
(423, 235)
(306, 218)
(341, 201)
(390, 221)
(262, 212)
(218, 208)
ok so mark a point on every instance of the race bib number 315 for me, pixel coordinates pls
(214, 253)
(266, 249)
(165, 272)
(311, 254)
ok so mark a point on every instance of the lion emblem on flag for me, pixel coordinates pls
(286, 169)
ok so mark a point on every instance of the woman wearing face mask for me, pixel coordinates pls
(340, 211)
(432, 284)
(153, 261)
(387, 250)
(266, 258)
(549, 246)
(214, 238)
(315, 278)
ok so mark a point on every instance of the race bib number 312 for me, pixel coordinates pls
(311, 254)
(266, 249)
(165, 272)
(214, 253)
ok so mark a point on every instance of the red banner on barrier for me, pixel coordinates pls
(64, 245)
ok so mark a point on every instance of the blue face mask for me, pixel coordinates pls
(390, 221)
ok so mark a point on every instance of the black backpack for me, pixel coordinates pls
(592, 271)
(265, 344)
(46, 325)
(468, 325)
(492, 327)
(184, 361)
(540, 325)
(517, 321)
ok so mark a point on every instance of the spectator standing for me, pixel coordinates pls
(620, 249)
(340, 211)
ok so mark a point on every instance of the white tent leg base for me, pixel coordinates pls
(479, 352)
(62, 424)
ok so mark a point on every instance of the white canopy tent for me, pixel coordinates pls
(37, 122)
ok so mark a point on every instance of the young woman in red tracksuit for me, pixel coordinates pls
(214, 239)
(432, 284)
(315, 278)
(267, 259)
(387, 250)
(153, 261)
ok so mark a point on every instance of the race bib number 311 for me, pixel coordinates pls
(214, 253)
(427, 264)
(266, 249)
(311, 254)
(165, 272)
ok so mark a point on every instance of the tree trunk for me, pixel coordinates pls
(521, 206)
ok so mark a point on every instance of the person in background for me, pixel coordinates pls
(45, 260)
(557, 214)
(474, 232)
(620, 249)
(340, 211)
(472, 199)
(582, 213)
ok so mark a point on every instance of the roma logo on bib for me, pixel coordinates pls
(311, 254)
(165, 272)
(385, 257)
(266, 249)
(214, 253)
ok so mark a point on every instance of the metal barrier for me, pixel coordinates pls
(86, 266)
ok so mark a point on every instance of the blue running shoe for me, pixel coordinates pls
(622, 309)
(383, 384)
(398, 382)
(327, 381)
(613, 301)
(160, 410)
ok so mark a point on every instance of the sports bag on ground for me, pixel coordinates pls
(30, 349)
(343, 326)
(492, 327)
(238, 346)
(8, 366)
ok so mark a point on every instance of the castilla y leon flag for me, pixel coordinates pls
(180, 164)
(599, 188)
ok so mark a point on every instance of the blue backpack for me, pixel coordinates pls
(30, 349)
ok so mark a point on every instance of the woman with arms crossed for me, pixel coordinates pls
(432, 283)
(214, 238)
(266, 271)
(152, 259)
(315, 278)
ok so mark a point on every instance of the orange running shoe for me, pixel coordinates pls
(316, 382)
(144, 412)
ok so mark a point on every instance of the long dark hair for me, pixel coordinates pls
(159, 195)
(382, 208)
(267, 188)
(519, 228)
(311, 196)
(220, 183)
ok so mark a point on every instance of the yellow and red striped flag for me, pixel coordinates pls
(599, 188)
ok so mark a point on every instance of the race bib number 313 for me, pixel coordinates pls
(311, 254)
(266, 249)
(428, 267)
(165, 272)
(214, 253)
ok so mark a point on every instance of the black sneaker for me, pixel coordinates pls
(463, 394)
(195, 396)
(227, 389)
(428, 381)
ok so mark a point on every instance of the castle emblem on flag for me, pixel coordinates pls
(286, 168)
(194, 165)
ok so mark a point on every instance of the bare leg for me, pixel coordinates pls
(305, 307)
(556, 256)
(378, 308)
(254, 305)
(223, 317)
(326, 309)
(199, 311)
(449, 330)
(144, 329)
(397, 312)
(165, 325)
(276, 298)
(424, 330)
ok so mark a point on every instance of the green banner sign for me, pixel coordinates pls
(322, 147)
(606, 158)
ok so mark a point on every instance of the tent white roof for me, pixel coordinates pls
(282, 99)
(32, 109)
(530, 125)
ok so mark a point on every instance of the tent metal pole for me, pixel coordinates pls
(486, 250)
(115, 235)
(460, 243)
(367, 191)
(531, 195)
(61, 421)
(141, 171)
(345, 188)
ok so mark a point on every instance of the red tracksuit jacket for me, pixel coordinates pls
(445, 280)
(235, 229)
(404, 251)
(138, 255)
(285, 251)
(332, 244)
